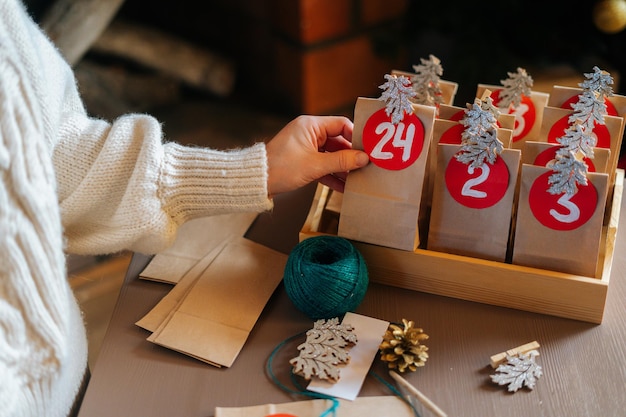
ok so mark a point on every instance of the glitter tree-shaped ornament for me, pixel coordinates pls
(578, 142)
(397, 94)
(517, 85)
(479, 140)
(425, 82)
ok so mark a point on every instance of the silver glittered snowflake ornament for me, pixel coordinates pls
(397, 94)
(518, 371)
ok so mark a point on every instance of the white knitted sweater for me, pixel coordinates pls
(70, 183)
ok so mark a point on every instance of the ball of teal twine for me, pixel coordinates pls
(325, 277)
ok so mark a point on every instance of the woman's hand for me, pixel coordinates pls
(312, 148)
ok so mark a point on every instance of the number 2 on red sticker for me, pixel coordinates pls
(560, 211)
(390, 146)
(479, 187)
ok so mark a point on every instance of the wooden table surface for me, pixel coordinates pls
(584, 364)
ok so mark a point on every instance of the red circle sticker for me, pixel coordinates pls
(548, 155)
(603, 137)
(525, 115)
(479, 187)
(458, 116)
(454, 135)
(390, 146)
(560, 211)
(280, 415)
(610, 107)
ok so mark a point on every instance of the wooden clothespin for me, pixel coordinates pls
(486, 93)
(501, 357)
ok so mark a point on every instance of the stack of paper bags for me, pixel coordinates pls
(222, 283)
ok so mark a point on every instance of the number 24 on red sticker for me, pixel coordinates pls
(479, 187)
(390, 146)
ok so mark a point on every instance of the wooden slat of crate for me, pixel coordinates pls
(496, 283)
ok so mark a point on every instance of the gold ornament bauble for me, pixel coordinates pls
(609, 16)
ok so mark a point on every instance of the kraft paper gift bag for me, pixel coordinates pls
(472, 209)
(564, 97)
(381, 202)
(608, 136)
(213, 320)
(555, 232)
(456, 113)
(449, 132)
(195, 239)
(360, 407)
(448, 88)
(543, 153)
(160, 312)
(528, 114)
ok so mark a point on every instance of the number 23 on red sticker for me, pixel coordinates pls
(479, 187)
(390, 146)
(560, 211)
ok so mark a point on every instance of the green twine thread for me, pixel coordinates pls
(325, 277)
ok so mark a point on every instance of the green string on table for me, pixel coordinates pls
(301, 391)
(325, 277)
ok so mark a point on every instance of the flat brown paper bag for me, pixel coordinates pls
(160, 312)
(361, 407)
(213, 321)
(195, 239)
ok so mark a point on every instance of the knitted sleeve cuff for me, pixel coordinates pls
(198, 182)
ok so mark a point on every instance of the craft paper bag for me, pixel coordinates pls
(555, 232)
(564, 97)
(608, 136)
(448, 88)
(456, 113)
(450, 132)
(160, 312)
(195, 239)
(360, 407)
(543, 153)
(528, 114)
(472, 209)
(213, 321)
(381, 203)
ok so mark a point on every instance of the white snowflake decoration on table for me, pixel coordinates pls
(519, 371)
(325, 348)
(425, 82)
(578, 140)
(517, 85)
(479, 140)
(397, 94)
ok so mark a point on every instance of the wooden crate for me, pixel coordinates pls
(497, 283)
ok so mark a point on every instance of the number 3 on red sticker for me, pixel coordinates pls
(479, 187)
(560, 211)
(390, 146)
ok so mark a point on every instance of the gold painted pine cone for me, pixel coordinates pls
(401, 347)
